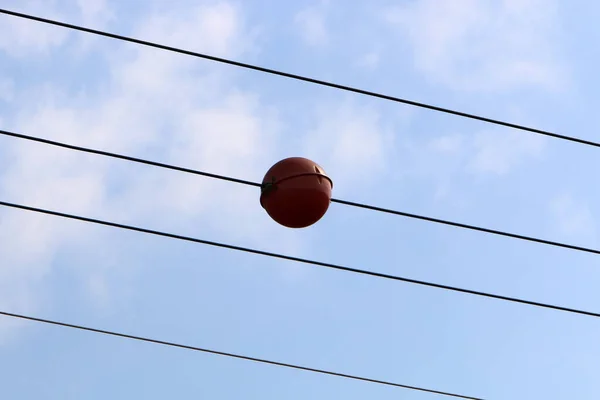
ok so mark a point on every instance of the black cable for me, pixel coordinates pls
(299, 77)
(343, 202)
(124, 157)
(297, 259)
(241, 357)
(471, 227)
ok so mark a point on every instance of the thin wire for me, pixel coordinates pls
(471, 227)
(300, 78)
(339, 201)
(241, 357)
(126, 158)
(297, 259)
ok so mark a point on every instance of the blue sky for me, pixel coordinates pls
(527, 61)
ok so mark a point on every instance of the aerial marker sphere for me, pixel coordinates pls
(296, 192)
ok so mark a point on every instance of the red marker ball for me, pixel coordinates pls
(296, 192)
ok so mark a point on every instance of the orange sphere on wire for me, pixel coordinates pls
(296, 192)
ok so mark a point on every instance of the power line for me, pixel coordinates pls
(296, 259)
(300, 78)
(318, 82)
(232, 355)
(471, 227)
(339, 201)
(126, 158)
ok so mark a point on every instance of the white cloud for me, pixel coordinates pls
(99, 289)
(95, 12)
(33, 38)
(311, 23)
(187, 111)
(369, 60)
(350, 142)
(28, 244)
(214, 28)
(499, 151)
(7, 89)
(446, 159)
(22, 38)
(573, 218)
(484, 45)
(436, 160)
(491, 152)
(449, 144)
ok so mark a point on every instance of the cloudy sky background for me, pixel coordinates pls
(527, 61)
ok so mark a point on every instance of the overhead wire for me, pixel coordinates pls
(300, 78)
(264, 253)
(296, 259)
(232, 355)
(334, 200)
